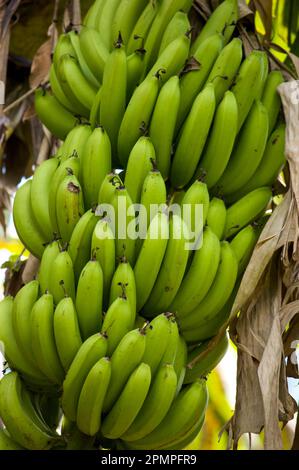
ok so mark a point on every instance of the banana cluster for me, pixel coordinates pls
(103, 346)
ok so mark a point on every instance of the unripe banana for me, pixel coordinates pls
(59, 93)
(166, 11)
(186, 411)
(94, 14)
(124, 279)
(64, 46)
(157, 339)
(105, 22)
(221, 140)
(204, 266)
(88, 354)
(95, 165)
(265, 73)
(75, 41)
(189, 437)
(171, 351)
(114, 93)
(194, 79)
(271, 99)
(118, 321)
(62, 281)
(92, 397)
(243, 245)
(248, 82)
(76, 141)
(25, 223)
(44, 274)
(248, 152)
(142, 27)
(246, 210)
(80, 242)
(209, 361)
(172, 269)
(156, 405)
(125, 409)
(125, 359)
(126, 17)
(180, 363)
(134, 71)
(43, 341)
(216, 219)
(70, 206)
(218, 294)
(139, 164)
(94, 51)
(94, 117)
(11, 350)
(103, 250)
(226, 67)
(178, 26)
(193, 138)
(137, 115)
(17, 417)
(195, 199)
(67, 333)
(21, 312)
(163, 123)
(150, 257)
(223, 20)
(89, 299)
(53, 115)
(272, 162)
(107, 189)
(7, 443)
(40, 190)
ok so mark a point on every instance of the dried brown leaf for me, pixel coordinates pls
(41, 65)
(31, 269)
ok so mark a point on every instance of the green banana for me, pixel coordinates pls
(193, 138)
(53, 115)
(134, 71)
(189, 438)
(223, 20)
(107, 189)
(201, 368)
(163, 123)
(173, 58)
(80, 242)
(172, 348)
(142, 27)
(40, 190)
(226, 67)
(92, 397)
(157, 339)
(75, 41)
(43, 341)
(13, 354)
(126, 357)
(75, 142)
(246, 210)
(221, 140)
(137, 116)
(217, 295)
(178, 26)
(59, 93)
(51, 252)
(125, 18)
(20, 318)
(196, 73)
(70, 206)
(139, 164)
(243, 245)
(118, 321)
(105, 21)
(249, 80)
(172, 269)
(94, 117)
(25, 222)
(114, 93)
(272, 162)
(17, 418)
(64, 46)
(94, 51)
(95, 165)
(271, 99)
(156, 405)
(92, 18)
(90, 286)
(216, 218)
(186, 411)
(150, 257)
(124, 279)
(125, 409)
(67, 333)
(7, 443)
(88, 354)
(62, 280)
(180, 363)
(103, 250)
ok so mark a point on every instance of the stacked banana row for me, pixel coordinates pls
(154, 125)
